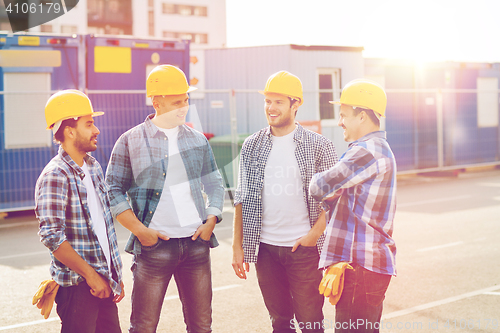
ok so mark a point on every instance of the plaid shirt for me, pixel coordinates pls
(62, 210)
(138, 167)
(360, 230)
(314, 154)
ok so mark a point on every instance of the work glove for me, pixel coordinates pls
(45, 296)
(333, 282)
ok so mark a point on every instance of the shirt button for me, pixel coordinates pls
(166, 155)
(157, 193)
(164, 138)
(163, 174)
(150, 212)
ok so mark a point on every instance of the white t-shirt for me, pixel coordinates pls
(285, 217)
(176, 215)
(96, 214)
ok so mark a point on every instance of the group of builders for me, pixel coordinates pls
(315, 225)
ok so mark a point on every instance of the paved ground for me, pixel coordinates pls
(447, 233)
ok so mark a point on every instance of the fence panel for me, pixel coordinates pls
(428, 130)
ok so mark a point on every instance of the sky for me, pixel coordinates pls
(424, 30)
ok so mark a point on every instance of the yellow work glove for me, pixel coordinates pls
(45, 296)
(333, 281)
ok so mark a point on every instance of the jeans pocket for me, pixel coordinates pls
(152, 247)
(307, 251)
(206, 242)
(376, 285)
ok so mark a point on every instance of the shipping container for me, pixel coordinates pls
(116, 71)
(31, 68)
(440, 115)
(112, 70)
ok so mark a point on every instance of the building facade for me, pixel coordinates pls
(201, 21)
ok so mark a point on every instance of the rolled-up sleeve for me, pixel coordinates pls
(119, 177)
(357, 165)
(51, 197)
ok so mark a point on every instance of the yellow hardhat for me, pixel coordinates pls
(67, 104)
(364, 94)
(165, 80)
(284, 83)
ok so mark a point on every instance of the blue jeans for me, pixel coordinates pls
(289, 284)
(80, 312)
(189, 262)
(360, 306)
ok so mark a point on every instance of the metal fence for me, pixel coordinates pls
(428, 130)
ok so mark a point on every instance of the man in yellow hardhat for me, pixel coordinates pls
(76, 225)
(277, 224)
(157, 173)
(361, 188)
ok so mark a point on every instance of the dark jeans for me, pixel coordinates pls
(289, 283)
(80, 312)
(360, 306)
(189, 262)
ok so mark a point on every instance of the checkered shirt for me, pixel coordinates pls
(361, 226)
(62, 210)
(314, 154)
(138, 167)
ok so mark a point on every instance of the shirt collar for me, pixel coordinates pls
(369, 136)
(152, 130)
(297, 137)
(72, 164)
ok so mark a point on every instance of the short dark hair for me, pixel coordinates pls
(370, 113)
(292, 101)
(59, 135)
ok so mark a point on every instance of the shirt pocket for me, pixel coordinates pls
(104, 189)
(195, 156)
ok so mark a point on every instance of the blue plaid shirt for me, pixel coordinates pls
(62, 210)
(314, 153)
(138, 167)
(360, 229)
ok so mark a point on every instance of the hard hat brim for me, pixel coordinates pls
(190, 89)
(93, 114)
(378, 115)
(272, 92)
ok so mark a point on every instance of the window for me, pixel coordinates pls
(329, 90)
(185, 35)
(22, 111)
(169, 8)
(169, 34)
(46, 28)
(185, 10)
(151, 22)
(487, 102)
(197, 38)
(5, 26)
(200, 39)
(200, 11)
(69, 29)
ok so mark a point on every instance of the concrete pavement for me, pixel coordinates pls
(447, 234)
